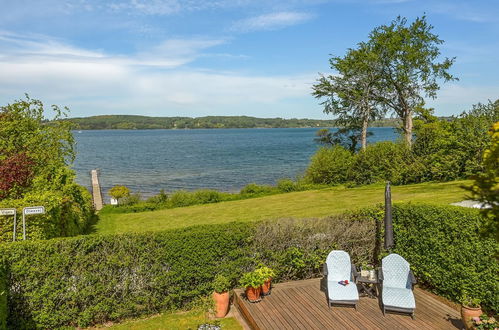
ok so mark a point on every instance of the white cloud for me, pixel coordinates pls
(154, 81)
(454, 98)
(271, 21)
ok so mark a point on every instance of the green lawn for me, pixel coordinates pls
(304, 204)
(177, 321)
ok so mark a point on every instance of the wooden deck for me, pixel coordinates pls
(302, 305)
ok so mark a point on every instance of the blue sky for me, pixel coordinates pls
(221, 57)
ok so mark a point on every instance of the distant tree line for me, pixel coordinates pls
(144, 122)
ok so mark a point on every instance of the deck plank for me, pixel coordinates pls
(302, 305)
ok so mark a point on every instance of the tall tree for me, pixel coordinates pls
(351, 93)
(409, 68)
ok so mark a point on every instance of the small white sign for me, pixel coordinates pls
(7, 211)
(34, 210)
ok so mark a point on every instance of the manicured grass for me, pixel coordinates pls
(304, 204)
(178, 321)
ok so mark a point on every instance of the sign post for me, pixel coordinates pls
(31, 211)
(13, 212)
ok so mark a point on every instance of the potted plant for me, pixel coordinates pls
(267, 274)
(470, 308)
(252, 281)
(367, 270)
(221, 287)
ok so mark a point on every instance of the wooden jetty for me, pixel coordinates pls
(96, 191)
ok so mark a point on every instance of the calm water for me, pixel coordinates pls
(223, 159)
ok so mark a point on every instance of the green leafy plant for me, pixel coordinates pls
(252, 279)
(221, 284)
(468, 301)
(367, 266)
(266, 272)
(119, 192)
(484, 322)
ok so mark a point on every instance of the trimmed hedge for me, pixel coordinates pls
(446, 252)
(93, 279)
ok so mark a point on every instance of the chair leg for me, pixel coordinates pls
(383, 311)
(355, 306)
(413, 316)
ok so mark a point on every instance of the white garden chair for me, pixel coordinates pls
(397, 284)
(339, 268)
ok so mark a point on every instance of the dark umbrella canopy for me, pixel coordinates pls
(388, 217)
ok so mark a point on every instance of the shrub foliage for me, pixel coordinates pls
(93, 279)
(443, 150)
(446, 252)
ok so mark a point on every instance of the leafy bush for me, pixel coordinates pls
(329, 166)
(181, 198)
(131, 199)
(205, 196)
(119, 192)
(485, 188)
(287, 185)
(35, 159)
(382, 161)
(68, 213)
(221, 284)
(160, 198)
(444, 149)
(3, 297)
(446, 252)
(296, 249)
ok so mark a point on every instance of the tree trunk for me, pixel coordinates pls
(364, 133)
(408, 127)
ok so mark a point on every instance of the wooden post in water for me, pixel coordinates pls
(96, 192)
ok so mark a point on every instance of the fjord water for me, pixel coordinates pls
(223, 159)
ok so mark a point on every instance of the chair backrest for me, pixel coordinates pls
(338, 266)
(395, 271)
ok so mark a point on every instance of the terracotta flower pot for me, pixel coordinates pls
(467, 313)
(221, 303)
(266, 287)
(253, 294)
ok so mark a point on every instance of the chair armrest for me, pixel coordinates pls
(380, 275)
(413, 278)
(324, 267)
(354, 273)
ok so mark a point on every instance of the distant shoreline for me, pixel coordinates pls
(128, 122)
(208, 128)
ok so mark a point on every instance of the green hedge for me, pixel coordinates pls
(446, 252)
(93, 279)
(85, 280)
(3, 298)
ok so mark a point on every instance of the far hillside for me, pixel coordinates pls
(144, 122)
